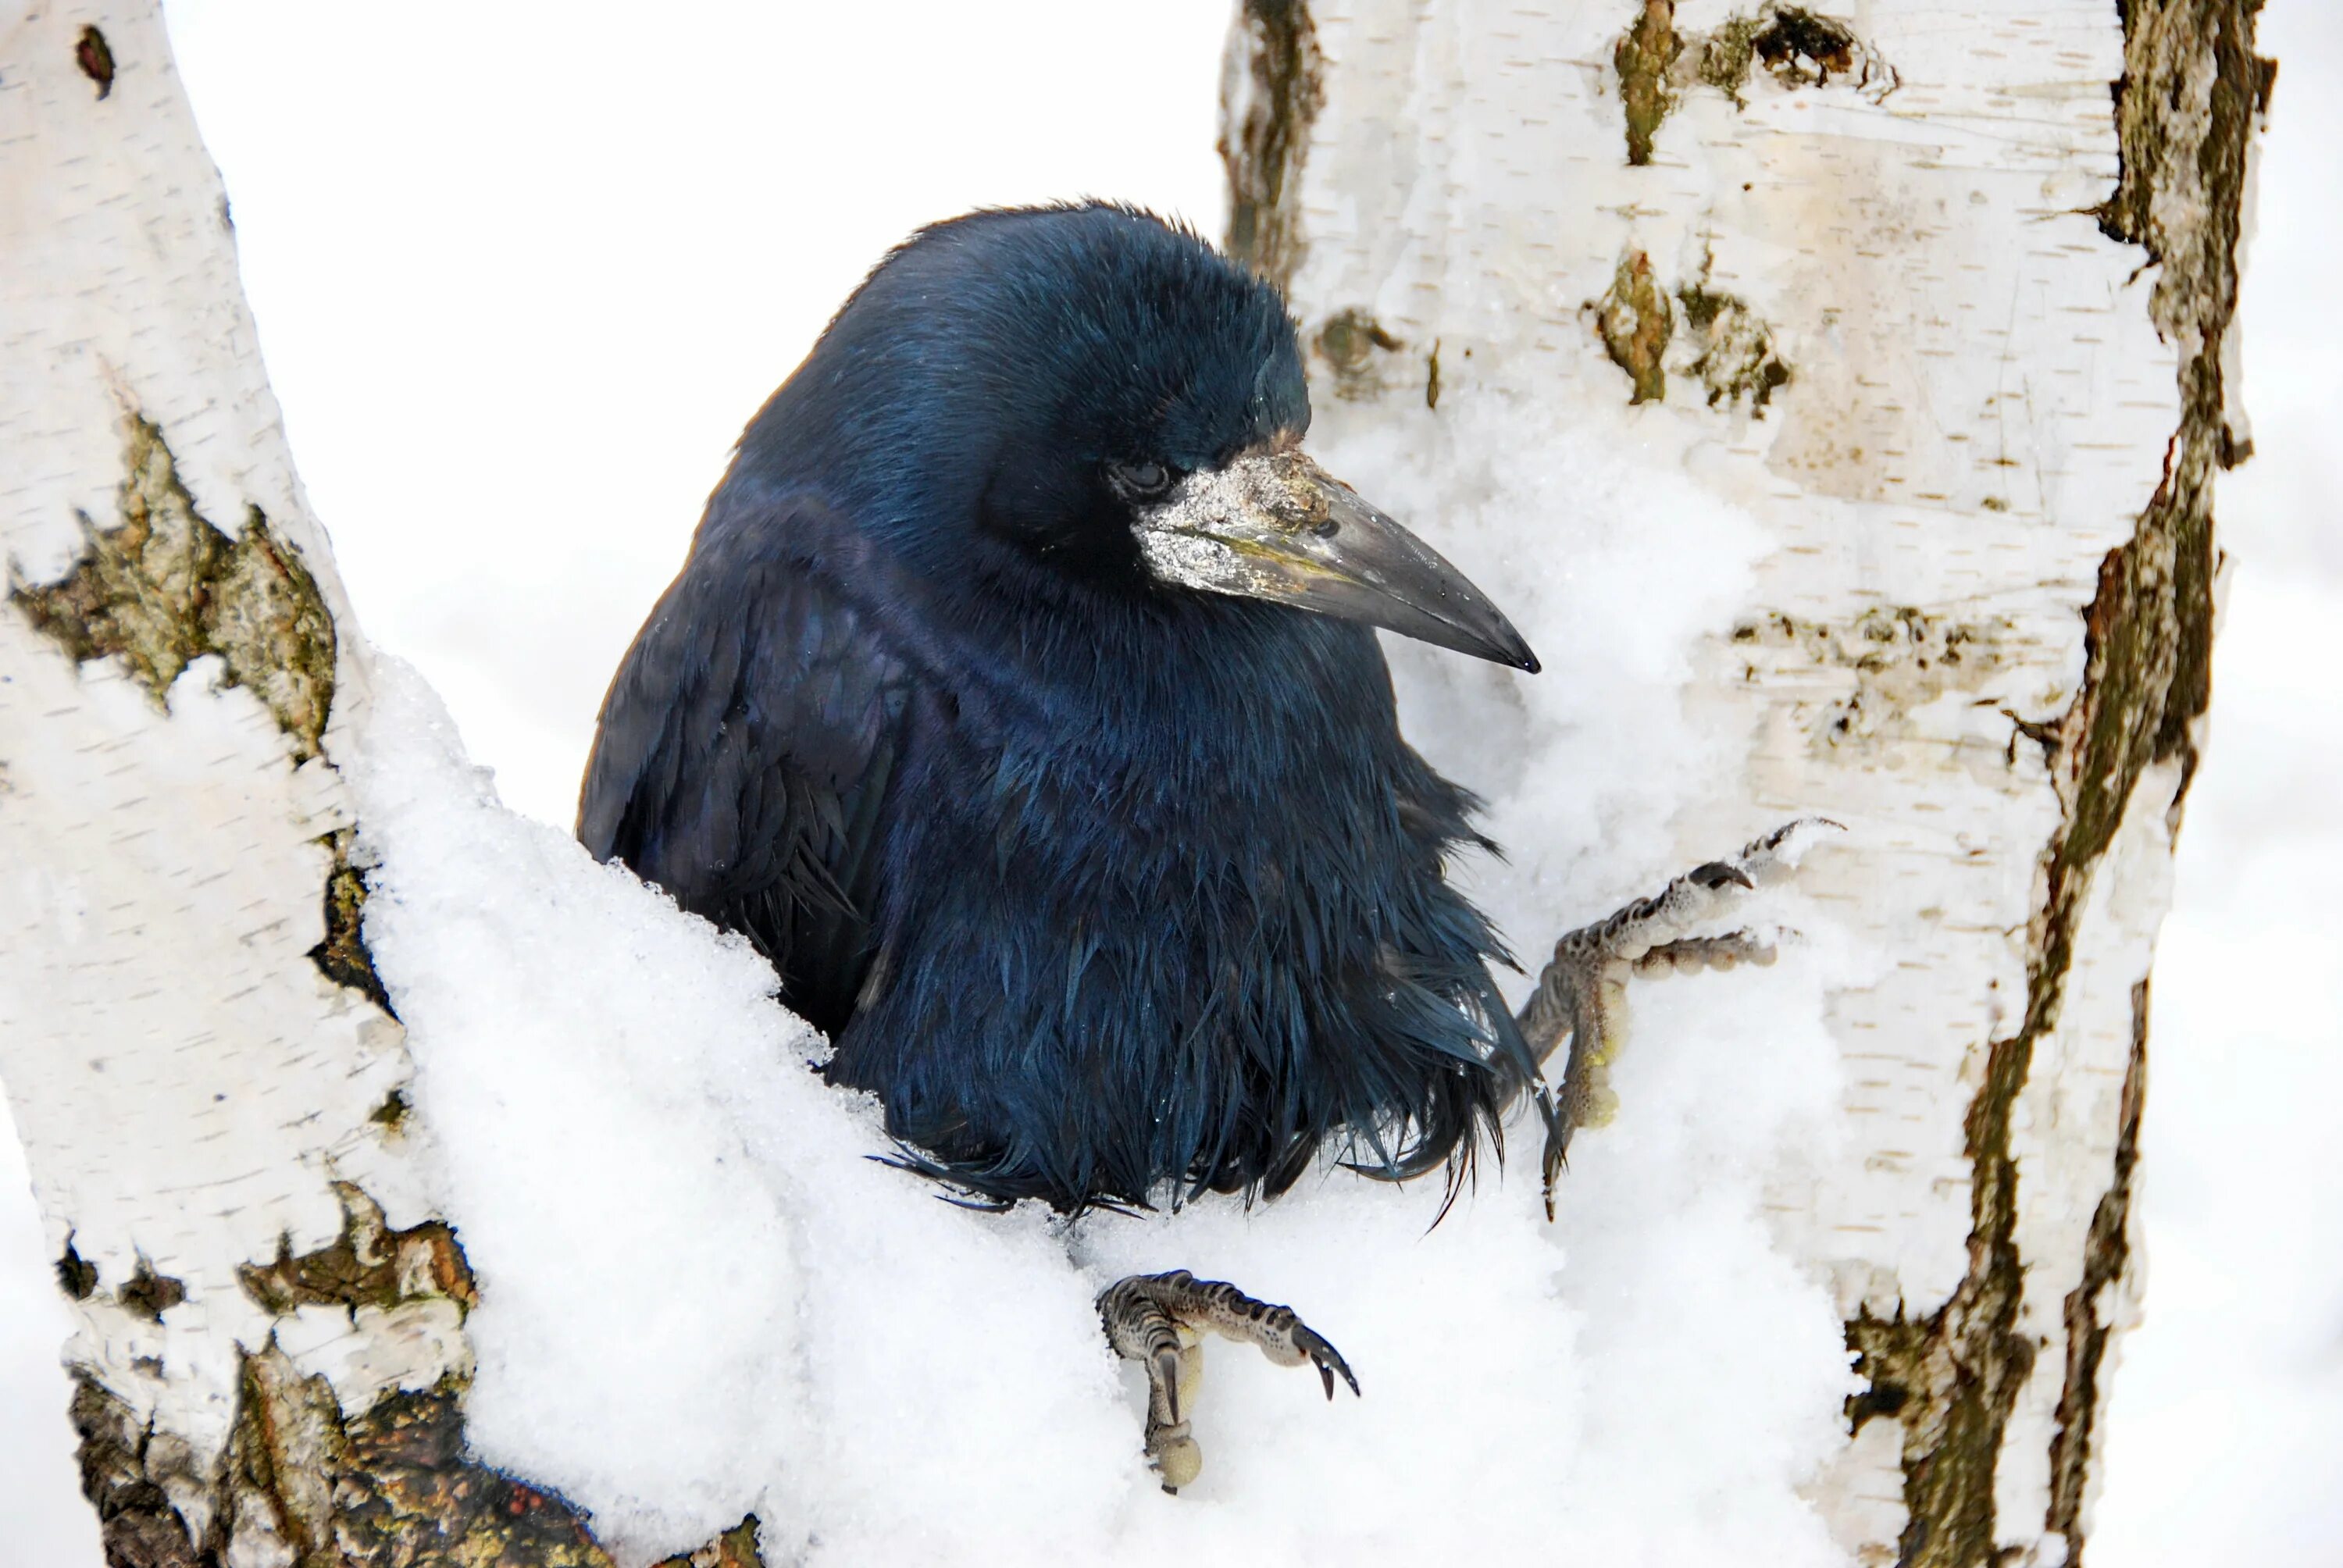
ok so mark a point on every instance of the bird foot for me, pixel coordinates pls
(1160, 1319)
(1581, 992)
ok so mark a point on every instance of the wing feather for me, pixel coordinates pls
(744, 755)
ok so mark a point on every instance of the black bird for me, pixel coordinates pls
(1020, 700)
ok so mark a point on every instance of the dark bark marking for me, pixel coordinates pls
(369, 1264)
(163, 586)
(150, 1294)
(1349, 342)
(124, 1469)
(2106, 1254)
(94, 56)
(390, 1489)
(1737, 357)
(342, 956)
(77, 1276)
(1273, 92)
(1656, 64)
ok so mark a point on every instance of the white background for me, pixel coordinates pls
(521, 273)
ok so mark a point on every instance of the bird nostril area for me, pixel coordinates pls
(1327, 530)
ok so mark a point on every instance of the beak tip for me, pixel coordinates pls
(1528, 662)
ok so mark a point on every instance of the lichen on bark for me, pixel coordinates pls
(1271, 90)
(1656, 63)
(298, 1482)
(341, 954)
(369, 1264)
(1636, 321)
(1643, 58)
(162, 587)
(2185, 111)
(1734, 357)
(1350, 342)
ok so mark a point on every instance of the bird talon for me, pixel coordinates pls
(1156, 1319)
(1580, 996)
(1324, 1356)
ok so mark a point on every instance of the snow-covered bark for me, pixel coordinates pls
(270, 1347)
(1938, 295)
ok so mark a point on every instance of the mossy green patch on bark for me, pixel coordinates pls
(1736, 357)
(161, 587)
(1274, 96)
(1643, 58)
(1635, 322)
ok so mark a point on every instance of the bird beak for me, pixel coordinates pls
(1275, 526)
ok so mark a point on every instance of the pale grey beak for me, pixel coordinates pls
(1275, 526)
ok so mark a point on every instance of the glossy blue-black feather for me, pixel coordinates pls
(1111, 892)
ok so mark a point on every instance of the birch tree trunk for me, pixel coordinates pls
(1942, 293)
(270, 1357)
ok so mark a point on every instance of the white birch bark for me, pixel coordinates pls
(209, 1091)
(1940, 293)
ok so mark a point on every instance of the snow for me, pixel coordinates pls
(676, 1231)
(700, 1299)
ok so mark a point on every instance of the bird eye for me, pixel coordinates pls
(1141, 481)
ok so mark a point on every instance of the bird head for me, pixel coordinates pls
(1087, 400)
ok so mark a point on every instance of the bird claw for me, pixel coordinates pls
(1323, 1355)
(1582, 993)
(1159, 1321)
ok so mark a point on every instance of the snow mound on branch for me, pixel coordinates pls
(700, 1300)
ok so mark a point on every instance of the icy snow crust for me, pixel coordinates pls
(702, 1300)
